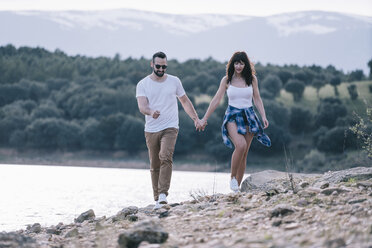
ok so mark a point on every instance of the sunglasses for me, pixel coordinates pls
(162, 66)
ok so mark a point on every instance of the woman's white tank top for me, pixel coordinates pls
(240, 97)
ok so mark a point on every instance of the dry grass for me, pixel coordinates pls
(310, 99)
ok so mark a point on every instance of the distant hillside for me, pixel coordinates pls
(302, 38)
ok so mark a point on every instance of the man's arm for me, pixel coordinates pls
(143, 105)
(190, 110)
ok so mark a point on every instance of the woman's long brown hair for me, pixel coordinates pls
(248, 70)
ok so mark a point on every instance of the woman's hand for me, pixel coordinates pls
(265, 122)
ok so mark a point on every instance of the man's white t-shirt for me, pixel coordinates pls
(162, 96)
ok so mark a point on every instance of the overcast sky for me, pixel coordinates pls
(243, 7)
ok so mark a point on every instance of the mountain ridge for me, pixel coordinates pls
(304, 38)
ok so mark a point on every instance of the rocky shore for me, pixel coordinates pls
(274, 209)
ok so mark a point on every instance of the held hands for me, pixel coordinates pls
(200, 124)
(203, 123)
(197, 124)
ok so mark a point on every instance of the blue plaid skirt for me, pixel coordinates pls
(244, 117)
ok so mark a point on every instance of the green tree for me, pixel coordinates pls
(301, 76)
(296, 88)
(335, 81)
(284, 75)
(352, 89)
(370, 68)
(356, 75)
(317, 84)
(272, 84)
(10, 93)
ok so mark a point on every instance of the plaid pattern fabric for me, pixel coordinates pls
(244, 117)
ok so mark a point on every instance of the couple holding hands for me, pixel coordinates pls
(157, 97)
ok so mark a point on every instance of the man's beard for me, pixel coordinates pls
(159, 73)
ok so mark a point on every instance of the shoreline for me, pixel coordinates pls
(333, 209)
(116, 165)
(100, 160)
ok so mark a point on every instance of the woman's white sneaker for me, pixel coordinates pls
(234, 185)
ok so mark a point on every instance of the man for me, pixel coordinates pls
(157, 99)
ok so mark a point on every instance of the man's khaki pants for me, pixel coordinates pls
(161, 147)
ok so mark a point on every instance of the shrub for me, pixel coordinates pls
(218, 150)
(51, 133)
(363, 130)
(312, 162)
(300, 120)
(329, 109)
(187, 137)
(336, 140)
(46, 111)
(130, 135)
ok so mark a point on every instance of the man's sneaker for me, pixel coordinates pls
(157, 205)
(162, 199)
(234, 185)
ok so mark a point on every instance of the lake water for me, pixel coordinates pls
(52, 194)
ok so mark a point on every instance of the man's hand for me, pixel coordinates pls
(155, 113)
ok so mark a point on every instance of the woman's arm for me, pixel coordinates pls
(216, 99)
(258, 102)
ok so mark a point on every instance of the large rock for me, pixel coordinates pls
(35, 228)
(358, 173)
(330, 191)
(281, 210)
(128, 213)
(148, 230)
(271, 179)
(88, 215)
(15, 240)
(72, 233)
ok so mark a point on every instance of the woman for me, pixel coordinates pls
(240, 122)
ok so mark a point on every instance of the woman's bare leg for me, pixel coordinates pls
(240, 173)
(240, 144)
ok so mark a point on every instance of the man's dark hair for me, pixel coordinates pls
(160, 55)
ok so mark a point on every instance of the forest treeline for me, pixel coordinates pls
(49, 100)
